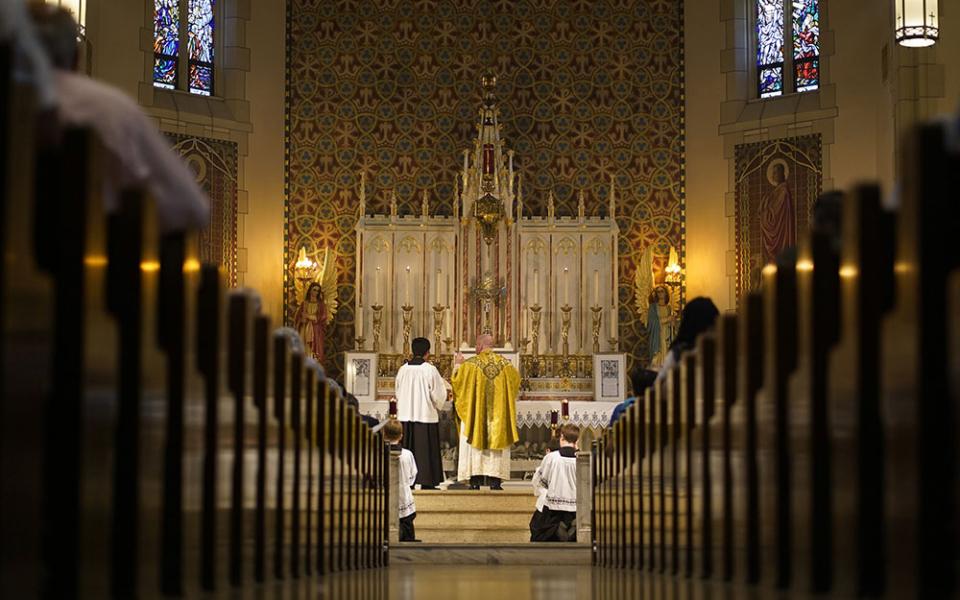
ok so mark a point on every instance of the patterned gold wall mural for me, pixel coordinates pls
(587, 88)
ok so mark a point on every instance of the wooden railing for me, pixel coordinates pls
(156, 438)
(809, 442)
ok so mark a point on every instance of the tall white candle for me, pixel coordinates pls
(406, 293)
(536, 286)
(439, 283)
(360, 321)
(449, 322)
(596, 287)
(566, 286)
(376, 287)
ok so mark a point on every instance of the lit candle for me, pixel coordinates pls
(376, 287)
(439, 281)
(360, 322)
(596, 287)
(406, 293)
(566, 286)
(536, 286)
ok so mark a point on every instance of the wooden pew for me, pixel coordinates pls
(918, 418)
(727, 370)
(692, 492)
(706, 459)
(233, 417)
(773, 426)
(261, 358)
(651, 483)
(743, 436)
(282, 383)
(818, 322)
(26, 326)
(853, 396)
(670, 480)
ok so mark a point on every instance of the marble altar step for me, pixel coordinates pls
(468, 516)
(490, 554)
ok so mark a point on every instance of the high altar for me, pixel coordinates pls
(542, 285)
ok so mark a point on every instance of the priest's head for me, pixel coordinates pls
(484, 342)
(420, 347)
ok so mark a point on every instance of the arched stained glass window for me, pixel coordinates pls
(770, 47)
(201, 46)
(166, 42)
(778, 21)
(806, 44)
(193, 21)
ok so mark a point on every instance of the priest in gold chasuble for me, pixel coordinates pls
(485, 390)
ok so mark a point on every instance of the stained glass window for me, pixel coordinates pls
(770, 47)
(806, 44)
(200, 44)
(782, 24)
(190, 20)
(166, 42)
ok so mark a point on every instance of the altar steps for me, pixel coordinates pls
(474, 516)
(514, 554)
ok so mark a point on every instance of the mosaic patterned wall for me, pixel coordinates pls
(777, 183)
(587, 88)
(215, 164)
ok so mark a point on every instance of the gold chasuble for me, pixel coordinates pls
(485, 390)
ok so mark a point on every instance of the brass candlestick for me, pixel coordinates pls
(360, 341)
(613, 344)
(407, 323)
(565, 315)
(377, 325)
(597, 319)
(535, 325)
(438, 324)
(523, 345)
(449, 342)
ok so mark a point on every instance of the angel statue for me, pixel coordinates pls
(318, 306)
(657, 305)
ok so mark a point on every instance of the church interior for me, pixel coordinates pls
(402, 299)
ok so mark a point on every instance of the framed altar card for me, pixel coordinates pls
(610, 377)
(361, 376)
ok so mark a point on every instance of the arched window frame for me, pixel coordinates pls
(184, 65)
(796, 52)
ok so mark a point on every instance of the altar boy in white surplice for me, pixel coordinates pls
(421, 393)
(555, 486)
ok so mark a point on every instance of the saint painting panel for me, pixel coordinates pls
(777, 183)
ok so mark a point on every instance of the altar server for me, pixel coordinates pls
(555, 485)
(393, 434)
(421, 393)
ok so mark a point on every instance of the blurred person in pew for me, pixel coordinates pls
(31, 62)
(368, 420)
(393, 434)
(699, 315)
(555, 486)
(640, 380)
(421, 394)
(137, 154)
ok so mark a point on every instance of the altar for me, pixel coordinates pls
(544, 286)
